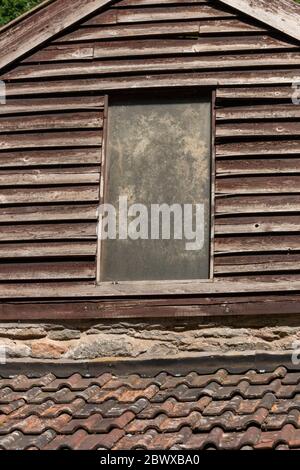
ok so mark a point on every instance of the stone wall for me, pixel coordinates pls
(147, 339)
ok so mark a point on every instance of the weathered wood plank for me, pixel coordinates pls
(41, 158)
(83, 120)
(253, 77)
(255, 93)
(257, 166)
(63, 231)
(156, 64)
(257, 204)
(196, 28)
(256, 244)
(274, 111)
(283, 147)
(137, 3)
(47, 177)
(233, 26)
(257, 263)
(47, 271)
(280, 14)
(49, 249)
(76, 290)
(257, 224)
(51, 139)
(33, 105)
(62, 52)
(127, 31)
(50, 195)
(45, 213)
(34, 30)
(258, 185)
(144, 308)
(258, 129)
(156, 46)
(142, 15)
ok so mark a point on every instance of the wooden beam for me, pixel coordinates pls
(43, 24)
(283, 15)
(35, 29)
(83, 290)
(154, 308)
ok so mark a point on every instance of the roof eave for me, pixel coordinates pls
(282, 15)
(45, 23)
(35, 28)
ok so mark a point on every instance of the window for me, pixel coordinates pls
(158, 189)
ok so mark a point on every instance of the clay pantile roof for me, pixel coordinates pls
(151, 409)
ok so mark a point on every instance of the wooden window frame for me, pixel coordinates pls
(164, 287)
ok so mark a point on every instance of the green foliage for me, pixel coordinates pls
(11, 9)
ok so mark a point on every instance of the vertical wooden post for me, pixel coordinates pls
(213, 182)
(103, 178)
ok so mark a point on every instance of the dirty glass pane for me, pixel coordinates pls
(159, 152)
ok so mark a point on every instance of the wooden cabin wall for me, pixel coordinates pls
(51, 138)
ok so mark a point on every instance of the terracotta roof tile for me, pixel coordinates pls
(81, 440)
(77, 383)
(174, 408)
(22, 383)
(111, 408)
(97, 424)
(221, 410)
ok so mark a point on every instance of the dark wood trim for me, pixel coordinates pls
(161, 307)
(213, 183)
(202, 364)
(35, 29)
(103, 185)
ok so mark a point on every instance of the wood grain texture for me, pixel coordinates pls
(204, 79)
(139, 65)
(34, 30)
(269, 93)
(258, 166)
(151, 308)
(47, 213)
(262, 147)
(55, 157)
(162, 13)
(281, 14)
(47, 271)
(73, 290)
(254, 264)
(51, 121)
(257, 204)
(258, 224)
(61, 176)
(50, 139)
(49, 195)
(33, 105)
(51, 144)
(258, 185)
(53, 231)
(48, 249)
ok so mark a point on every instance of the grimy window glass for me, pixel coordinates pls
(158, 153)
